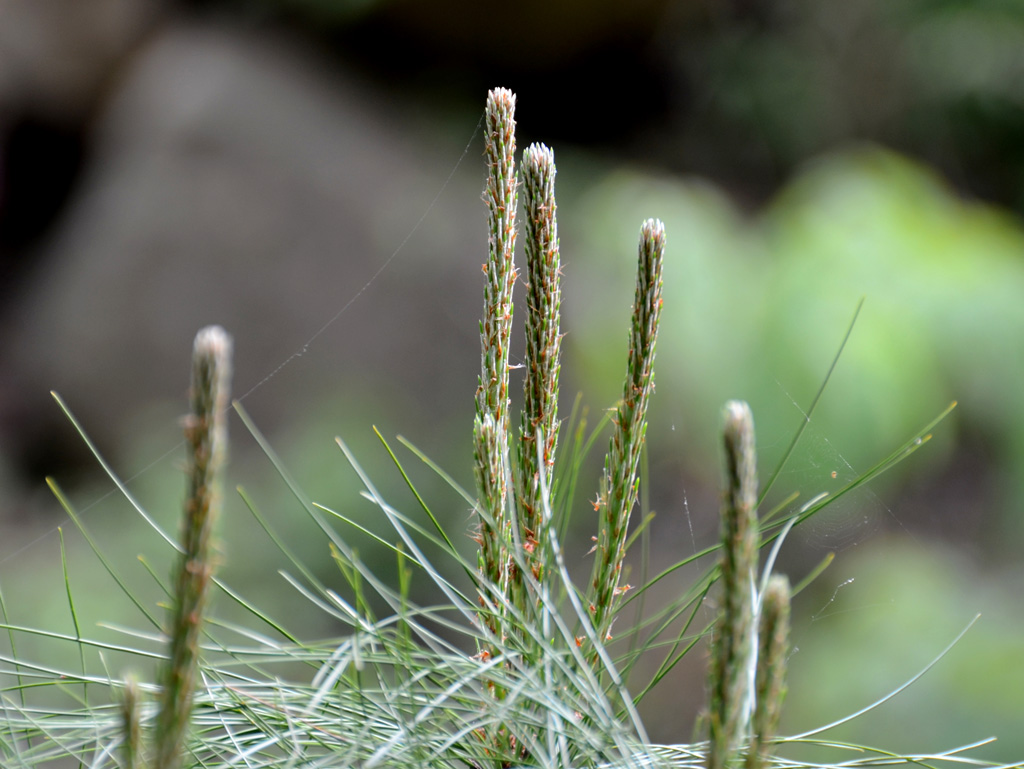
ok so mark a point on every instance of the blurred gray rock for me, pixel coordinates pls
(57, 56)
(237, 180)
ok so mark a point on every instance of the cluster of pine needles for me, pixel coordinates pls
(517, 665)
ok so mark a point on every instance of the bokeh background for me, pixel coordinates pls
(307, 173)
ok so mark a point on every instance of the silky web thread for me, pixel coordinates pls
(839, 527)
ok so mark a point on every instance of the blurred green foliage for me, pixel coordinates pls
(757, 307)
(902, 606)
